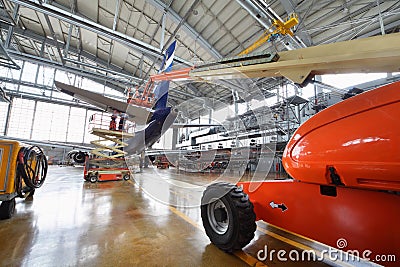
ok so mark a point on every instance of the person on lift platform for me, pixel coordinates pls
(121, 124)
(113, 122)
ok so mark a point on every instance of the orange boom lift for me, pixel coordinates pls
(345, 160)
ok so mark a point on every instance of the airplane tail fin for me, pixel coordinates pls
(161, 90)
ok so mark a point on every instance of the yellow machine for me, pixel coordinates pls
(278, 28)
(22, 169)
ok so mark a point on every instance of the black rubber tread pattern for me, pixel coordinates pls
(242, 226)
(79, 157)
(93, 180)
(7, 209)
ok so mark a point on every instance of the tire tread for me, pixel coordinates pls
(245, 216)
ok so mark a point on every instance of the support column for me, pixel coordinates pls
(33, 120)
(174, 138)
(8, 116)
(162, 31)
(68, 119)
(84, 127)
(11, 28)
(317, 91)
(380, 18)
(235, 99)
(20, 75)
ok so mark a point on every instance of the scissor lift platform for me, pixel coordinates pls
(107, 162)
(103, 144)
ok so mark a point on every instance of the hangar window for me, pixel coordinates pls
(45, 76)
(11, 73)
(52, 119)
(29, 72)
(31, 90)
(50, 122)
(21, 118)
(3, 116)
(76, 125)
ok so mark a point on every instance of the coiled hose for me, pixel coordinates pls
(32, 167)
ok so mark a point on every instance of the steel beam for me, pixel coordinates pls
(53, 34)
(40, 86)
(98, 77)
(263, 17)
(195, 90)
(92, 76)
(182, 21)
(110, 68)
(194, 4)
(66, 49)
(116, 16)
(58, 13)
(380, 18)
(8, 116)
(129, 77)
(36, 97)
(377, 31)
(11, 28)
(290, 7)
(162, 31)
(189, 30)
(73, 7)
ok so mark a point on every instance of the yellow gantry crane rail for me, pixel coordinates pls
(278, 27)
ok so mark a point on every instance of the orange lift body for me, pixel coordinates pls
(345, 164)
(93, 173)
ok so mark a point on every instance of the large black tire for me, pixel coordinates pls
(228, 216)
(126, 177)
(7, 209)
(93, 178)
(79, 157)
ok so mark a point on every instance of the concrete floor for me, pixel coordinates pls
(147, 223)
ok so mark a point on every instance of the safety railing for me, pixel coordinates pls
(114, 122)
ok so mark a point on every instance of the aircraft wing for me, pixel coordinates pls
(49, 143)
(163, 152)
(137, 113)
(184, 125)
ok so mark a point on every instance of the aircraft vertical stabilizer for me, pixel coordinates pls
(161, 90)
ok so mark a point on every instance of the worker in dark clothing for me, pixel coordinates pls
(113, 122)
(121, 124)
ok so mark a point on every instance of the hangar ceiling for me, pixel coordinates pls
(119, 43)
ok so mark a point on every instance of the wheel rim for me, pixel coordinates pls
(219, 226)
(93, 179)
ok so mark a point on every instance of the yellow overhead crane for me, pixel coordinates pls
(279, 27)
